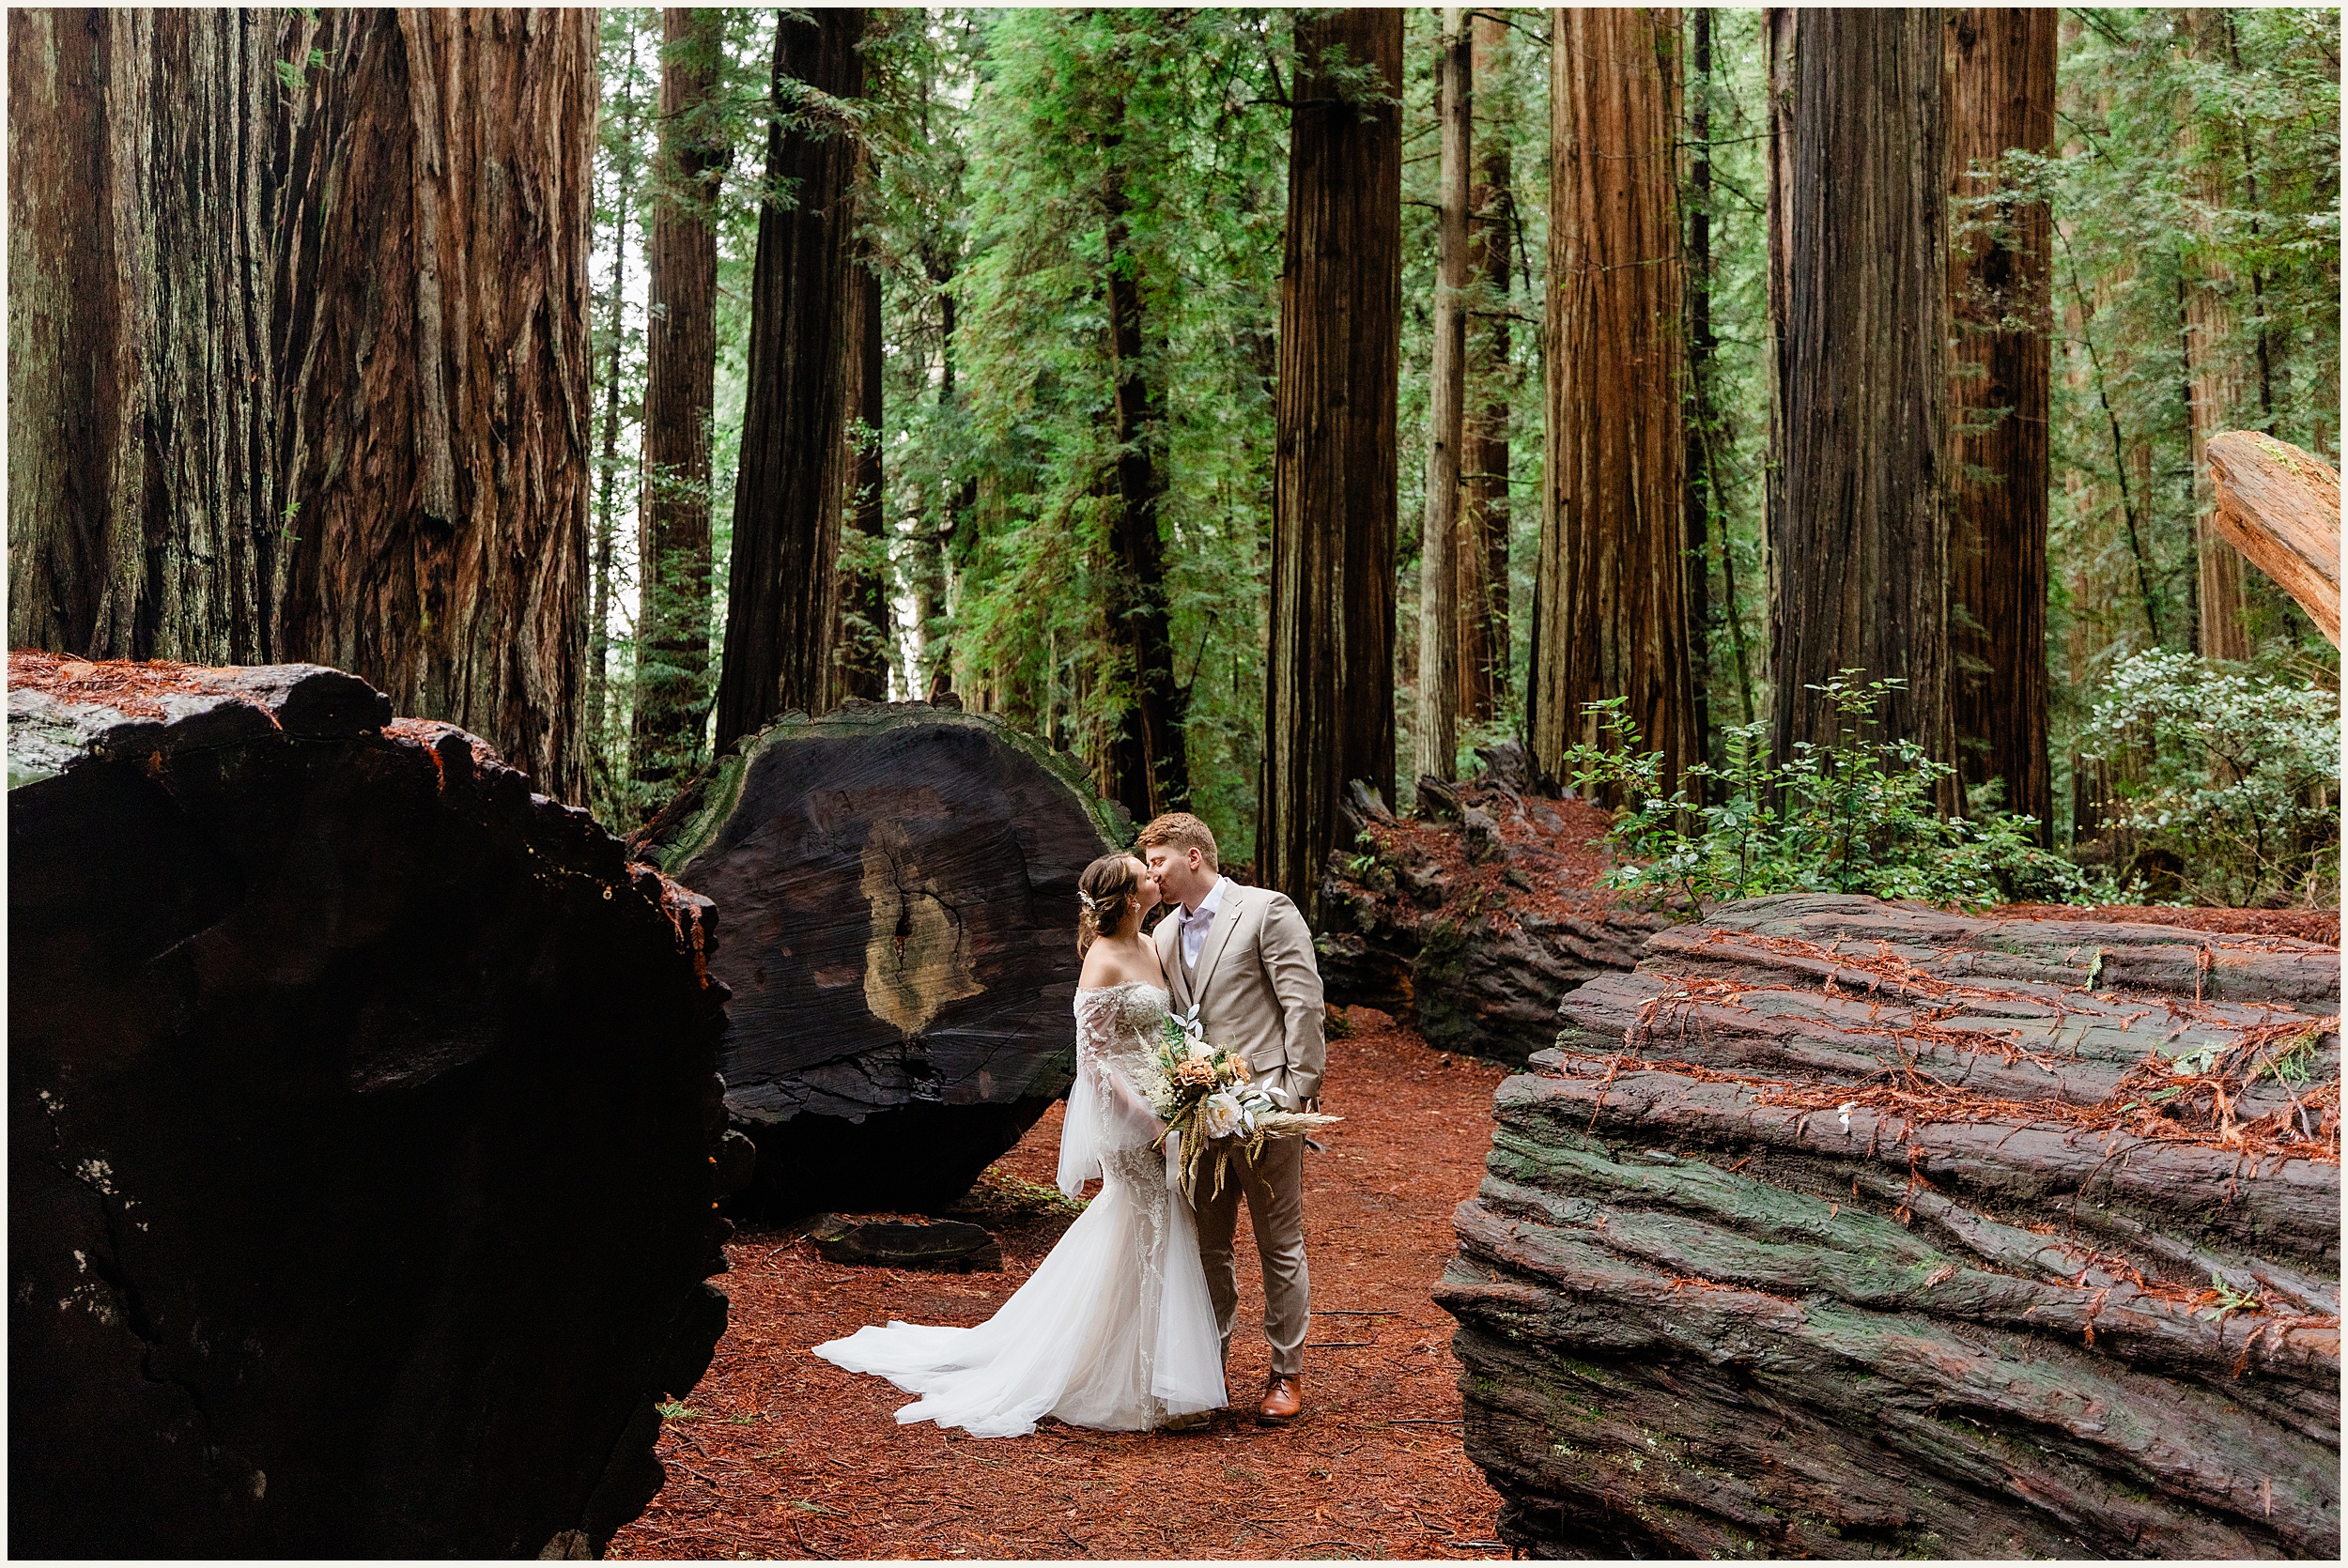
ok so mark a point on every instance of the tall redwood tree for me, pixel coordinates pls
(2002, 92)
(1856, 519)
(144, 208)
(680, 385)
(432, 346)
(781, 590)
(1610, 599)
(1329, 680)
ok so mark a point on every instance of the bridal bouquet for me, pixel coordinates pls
(1203, 1094)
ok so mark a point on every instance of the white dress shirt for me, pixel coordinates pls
(1195, 921)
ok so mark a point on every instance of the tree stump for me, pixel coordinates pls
(899, 889)
(365, 1128)
(1472, 921)
(1849, 1229)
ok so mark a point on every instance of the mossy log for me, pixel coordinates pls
(899, 889)
(1795, 1245)
(364, 1129)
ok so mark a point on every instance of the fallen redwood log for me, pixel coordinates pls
(1833, 1244)
(2279, 506)
(1472, 918)
(899, 889)
(364, 1129)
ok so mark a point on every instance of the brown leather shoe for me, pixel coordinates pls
(1283, 1399)
(1196, 1421)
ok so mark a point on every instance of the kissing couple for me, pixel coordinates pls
(1127, 1324)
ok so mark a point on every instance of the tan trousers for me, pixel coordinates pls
(1273, 1186)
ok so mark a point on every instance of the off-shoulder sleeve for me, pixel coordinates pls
(1105, 1110)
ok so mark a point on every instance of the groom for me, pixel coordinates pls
(1243, 957)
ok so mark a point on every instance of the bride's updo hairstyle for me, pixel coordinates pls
(1103, 889)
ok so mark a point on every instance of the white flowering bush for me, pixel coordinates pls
(2234, 772)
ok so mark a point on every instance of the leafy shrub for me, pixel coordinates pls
(2233, 771)
(1854, 816)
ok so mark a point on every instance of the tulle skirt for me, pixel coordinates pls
(1114, 1330)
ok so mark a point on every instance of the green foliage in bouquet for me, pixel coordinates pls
(1854, 817)
(1203, 1094)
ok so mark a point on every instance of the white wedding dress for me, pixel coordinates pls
(1114, 1330)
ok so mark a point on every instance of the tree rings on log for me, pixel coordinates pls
(364, 1130)
(1850, 1229)
(899, 889)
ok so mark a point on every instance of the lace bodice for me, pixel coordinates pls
(1120, 1023)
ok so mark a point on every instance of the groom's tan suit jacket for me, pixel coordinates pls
(1257, 987)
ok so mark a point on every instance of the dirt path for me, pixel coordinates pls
(785, 1455)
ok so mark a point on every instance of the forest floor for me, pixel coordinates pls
(786, 1455)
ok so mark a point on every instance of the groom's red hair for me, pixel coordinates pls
(1178, 830)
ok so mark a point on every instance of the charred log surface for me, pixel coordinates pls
(900, 888)
(1837, 1244)
(364, 1131)
(1474, 918)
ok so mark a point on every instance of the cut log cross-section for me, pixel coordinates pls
(1850, 1229)
(366, 1130)
(899, 889)
(2280, 508)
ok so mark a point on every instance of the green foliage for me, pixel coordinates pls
(1854, 817)
(2239, 776)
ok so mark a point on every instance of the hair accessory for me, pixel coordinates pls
(1087, 900)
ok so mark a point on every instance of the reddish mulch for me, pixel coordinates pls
(1552, 844)
(787, 1455)
(2307, 925)
(126, 685)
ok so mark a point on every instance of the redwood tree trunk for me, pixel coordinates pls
(1329, 686)
(1484, 451)
(2213, 378)
(433, 344)
(1152, 772)
(145, 190)
(781, 607)
(1614, 619)
(1697, 470)
(2001, 86)
(1435, 732)
(680, 379)
(1859, 538)
(865, 625)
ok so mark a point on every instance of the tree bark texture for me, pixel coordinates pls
(1148, 763)
(865, 650)
(1435, 731)
(781, 597)
(2002, 92)
(369, 1130)
(1849, 1229)
(1484, 449)
(1858, 532)
(431, 335)
(145, 189)
(900, 887)
(1614, 619)
(2213, 378)
(1329, 685)
(680, 381)
(2279, 506)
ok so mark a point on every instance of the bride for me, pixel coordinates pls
(1114, 1330)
